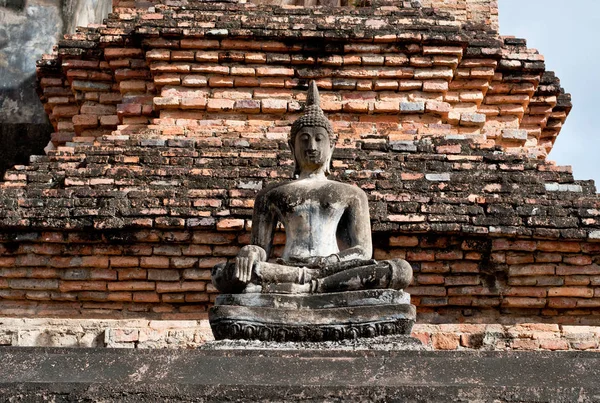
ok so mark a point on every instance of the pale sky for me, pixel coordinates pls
(568, 35)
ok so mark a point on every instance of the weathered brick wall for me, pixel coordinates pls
(241, 65)
(132, 227)
(166, 274)
(169, 120)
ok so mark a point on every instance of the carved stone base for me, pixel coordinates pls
(312, 317)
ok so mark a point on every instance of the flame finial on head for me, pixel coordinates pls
(313, 114)
(312, 96)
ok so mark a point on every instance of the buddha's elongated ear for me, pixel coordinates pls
(293, 150)
(329, 162)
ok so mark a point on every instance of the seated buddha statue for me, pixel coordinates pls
(328, 246)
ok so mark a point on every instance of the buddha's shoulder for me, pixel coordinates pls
(273, 188)
(329, 186)
(347, 188)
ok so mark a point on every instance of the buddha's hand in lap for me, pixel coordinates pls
(245, 263)
(321, 262)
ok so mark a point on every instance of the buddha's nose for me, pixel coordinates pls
(312, 145)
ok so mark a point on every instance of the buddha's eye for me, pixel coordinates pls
(319, 137)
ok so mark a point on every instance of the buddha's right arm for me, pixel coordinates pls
(264, 221)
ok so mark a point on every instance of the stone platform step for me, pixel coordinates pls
(37, 374)
(312, 317)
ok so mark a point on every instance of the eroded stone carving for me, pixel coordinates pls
(328, 250)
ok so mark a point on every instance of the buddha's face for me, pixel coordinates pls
(312, 148)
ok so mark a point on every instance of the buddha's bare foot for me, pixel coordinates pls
(252, 288)
(300, 288)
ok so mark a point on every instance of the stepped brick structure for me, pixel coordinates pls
(170, 117)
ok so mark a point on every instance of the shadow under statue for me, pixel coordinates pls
(325, 286)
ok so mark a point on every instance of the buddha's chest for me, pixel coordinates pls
(309, 208)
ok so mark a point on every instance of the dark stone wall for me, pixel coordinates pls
(20, 140)
(29, 29)
(63, 375)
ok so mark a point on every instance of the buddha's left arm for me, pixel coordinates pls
(354, 229)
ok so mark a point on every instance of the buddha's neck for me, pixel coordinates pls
(319, 174)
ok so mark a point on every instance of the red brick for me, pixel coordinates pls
(577, 280)
(163, 275)
(223, 250)
(103, 274)
(462, 280)
(445, 341)
(159, 262)
(537, 292)
(196, 250)
(435, 267)
(129, 109)
(518, 258)
(199, 44)
(520, 245)
(581, 292)
(124, 261)
(486, 302)
(94, 261)
(183, 262)
(404, 241)
(524, 344)
(7, 261)
(521, 302)
(554, 344)
(427, 279)
(31, 260)
(217, 81)
(119, 296)
(464, 267)
(562, 303)
(213, 238)
(66, 286)
(584, 344)
(420, 256)
(196, 297)
(164, 287)
(158, 54)
(472, 290)
(274, 71)
(579, 260)
(220, 105)
(230, 224)
(555, 246)
(197, 274)
(33, 284)
(460, 301)
(131, 286)
(548, 257)
(274, 105)
(531, 270)
(173, 298)
(132, 274)
(590, 270)
(146, 297)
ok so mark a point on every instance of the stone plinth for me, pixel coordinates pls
(306, 317)
(418, 376)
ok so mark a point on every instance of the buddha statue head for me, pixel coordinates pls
(311, 138)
